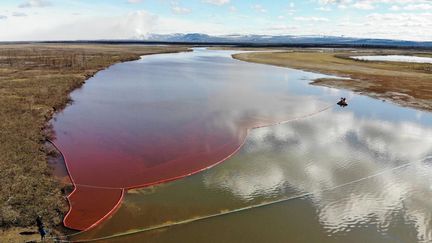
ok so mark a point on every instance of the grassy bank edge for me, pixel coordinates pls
(11, 233)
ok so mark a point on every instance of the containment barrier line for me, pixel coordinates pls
(163, 226)
(72, 183)
(159, 182)
(95, 187)
(177, 177)
(295, 119)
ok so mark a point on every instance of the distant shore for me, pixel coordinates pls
(406, 84)
(35, 83)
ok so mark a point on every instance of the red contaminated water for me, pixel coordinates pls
(101, 174)
(166, 117)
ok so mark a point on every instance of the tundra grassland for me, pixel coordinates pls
(35, 83)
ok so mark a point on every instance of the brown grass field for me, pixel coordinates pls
(407, 84)
(35, 82)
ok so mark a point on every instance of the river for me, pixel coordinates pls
(175, 137)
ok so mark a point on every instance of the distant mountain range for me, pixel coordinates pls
(259, 40)
(280, 40)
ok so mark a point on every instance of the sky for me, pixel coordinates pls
(22, 20)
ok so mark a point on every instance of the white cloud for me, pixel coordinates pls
(19, 14)
(180, 10)
(217, 2)
(259, 8)
(412, 7)
(311, 19)
(370, 4)
(83, 27)
(395, 8)
(291, 8)
(3, 17)
(419, 7)
(177, 9)
(135, 24)
(400, 20)
(363, 5)
(334, 1)
(402, 25)
(134, 1)
(325, 2)
(35, 4)
(325, 9)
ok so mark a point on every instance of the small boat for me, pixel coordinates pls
(342, 102)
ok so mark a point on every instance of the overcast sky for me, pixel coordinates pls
(120, 19)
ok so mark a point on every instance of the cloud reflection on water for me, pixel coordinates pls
(333, 148)
(305, 156)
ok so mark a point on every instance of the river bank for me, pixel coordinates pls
(407, 84)
(35, 83)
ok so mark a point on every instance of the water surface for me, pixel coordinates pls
(165, 117)
(395, 58)
(357, 174)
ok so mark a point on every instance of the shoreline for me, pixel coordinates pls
(404, 84)
(35, 84)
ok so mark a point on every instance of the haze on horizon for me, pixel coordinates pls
(22, 20)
